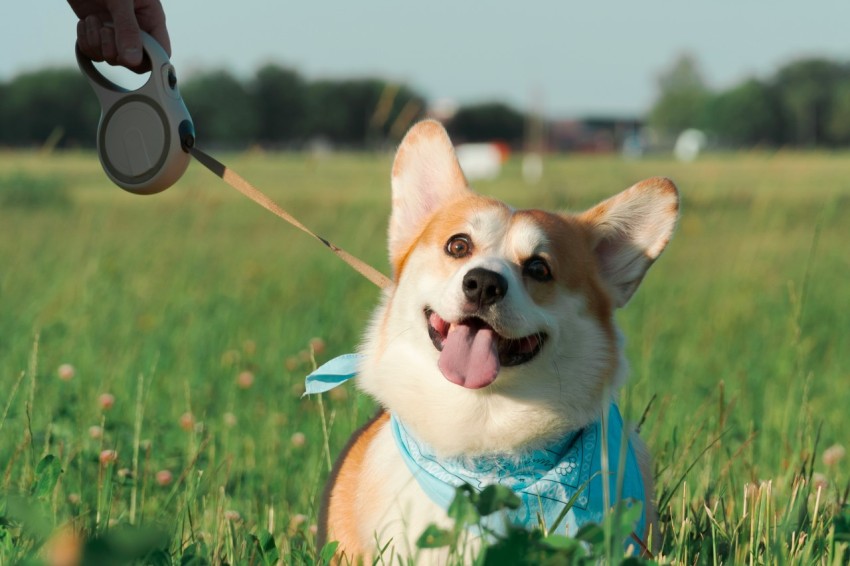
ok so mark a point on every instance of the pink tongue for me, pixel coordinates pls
(470, 356)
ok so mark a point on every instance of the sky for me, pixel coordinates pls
(564, 58)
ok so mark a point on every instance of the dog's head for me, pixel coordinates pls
(499, 331)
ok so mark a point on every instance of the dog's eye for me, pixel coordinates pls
(537, 269)
(459, 246)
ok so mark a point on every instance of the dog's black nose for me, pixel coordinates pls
(484, 287)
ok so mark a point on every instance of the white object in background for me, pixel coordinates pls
(443, 109)
(481, 160)
(532, 168)
(689, 144)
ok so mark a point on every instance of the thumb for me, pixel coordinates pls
(128, 39)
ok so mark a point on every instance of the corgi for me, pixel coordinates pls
(495, 358)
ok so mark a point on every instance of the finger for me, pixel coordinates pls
(107, 45)
(83, 42)
(128, 39)
(88, 38)
(152, 20)
(93, 25)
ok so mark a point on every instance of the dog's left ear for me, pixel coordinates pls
(426, 175)
(629, 231)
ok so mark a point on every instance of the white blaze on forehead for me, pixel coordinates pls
(487, 227)
(526, 238)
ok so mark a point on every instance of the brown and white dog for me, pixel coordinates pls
(497, 336)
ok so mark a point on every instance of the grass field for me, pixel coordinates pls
(176, 329)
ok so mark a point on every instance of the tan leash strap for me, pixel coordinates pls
(234, 180)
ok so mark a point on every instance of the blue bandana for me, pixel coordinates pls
(545, 480)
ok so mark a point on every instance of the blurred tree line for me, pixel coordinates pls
(806, 103)
(276, 108)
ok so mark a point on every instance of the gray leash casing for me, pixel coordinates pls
(141, 134)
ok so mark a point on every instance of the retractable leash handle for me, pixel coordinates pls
(144, 136)
(145, 139)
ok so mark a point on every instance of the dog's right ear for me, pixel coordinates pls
(426, 174)
(629, 231)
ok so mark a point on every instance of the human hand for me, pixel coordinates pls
(108, 30)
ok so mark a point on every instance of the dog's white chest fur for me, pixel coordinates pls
(407, 510)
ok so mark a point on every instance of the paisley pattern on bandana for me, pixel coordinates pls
(545, 480)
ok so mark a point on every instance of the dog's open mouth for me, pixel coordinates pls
(472, 352)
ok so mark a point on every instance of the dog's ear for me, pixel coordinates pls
(629, 231)
(426, 174)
